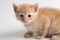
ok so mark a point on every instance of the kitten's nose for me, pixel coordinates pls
(25, 20)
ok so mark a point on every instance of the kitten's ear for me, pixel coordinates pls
(16, 7)
(35, 7)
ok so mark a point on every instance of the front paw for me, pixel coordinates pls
(28, 34)
(55, 37)
(39, 37)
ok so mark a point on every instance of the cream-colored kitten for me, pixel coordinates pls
(42, 21)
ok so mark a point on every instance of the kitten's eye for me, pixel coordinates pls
(21, 15)
(29, 15)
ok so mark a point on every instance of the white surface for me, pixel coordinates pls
(10, 28)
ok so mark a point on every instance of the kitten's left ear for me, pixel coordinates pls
(35, 6)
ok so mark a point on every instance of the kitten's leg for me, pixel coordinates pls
(55, 37)
(41, 34)
(28, 34)
(44, 30)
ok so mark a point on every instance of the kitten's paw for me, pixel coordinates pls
(28, 34)
(39, 37)
(55, 38)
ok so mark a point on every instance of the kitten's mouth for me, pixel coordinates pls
(25, 22)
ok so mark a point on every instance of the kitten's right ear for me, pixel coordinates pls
(16, 7)
(35, 7)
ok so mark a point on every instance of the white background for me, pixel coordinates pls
(9, 26)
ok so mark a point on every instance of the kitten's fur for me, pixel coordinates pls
(42, 21)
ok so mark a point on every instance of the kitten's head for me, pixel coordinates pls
(26, 12)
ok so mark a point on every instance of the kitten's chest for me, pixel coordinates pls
(34, 27)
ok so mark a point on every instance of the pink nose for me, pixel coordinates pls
(25, 20)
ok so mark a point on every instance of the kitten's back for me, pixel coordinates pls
(50, 12)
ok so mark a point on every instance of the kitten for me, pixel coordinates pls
(42, 21)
